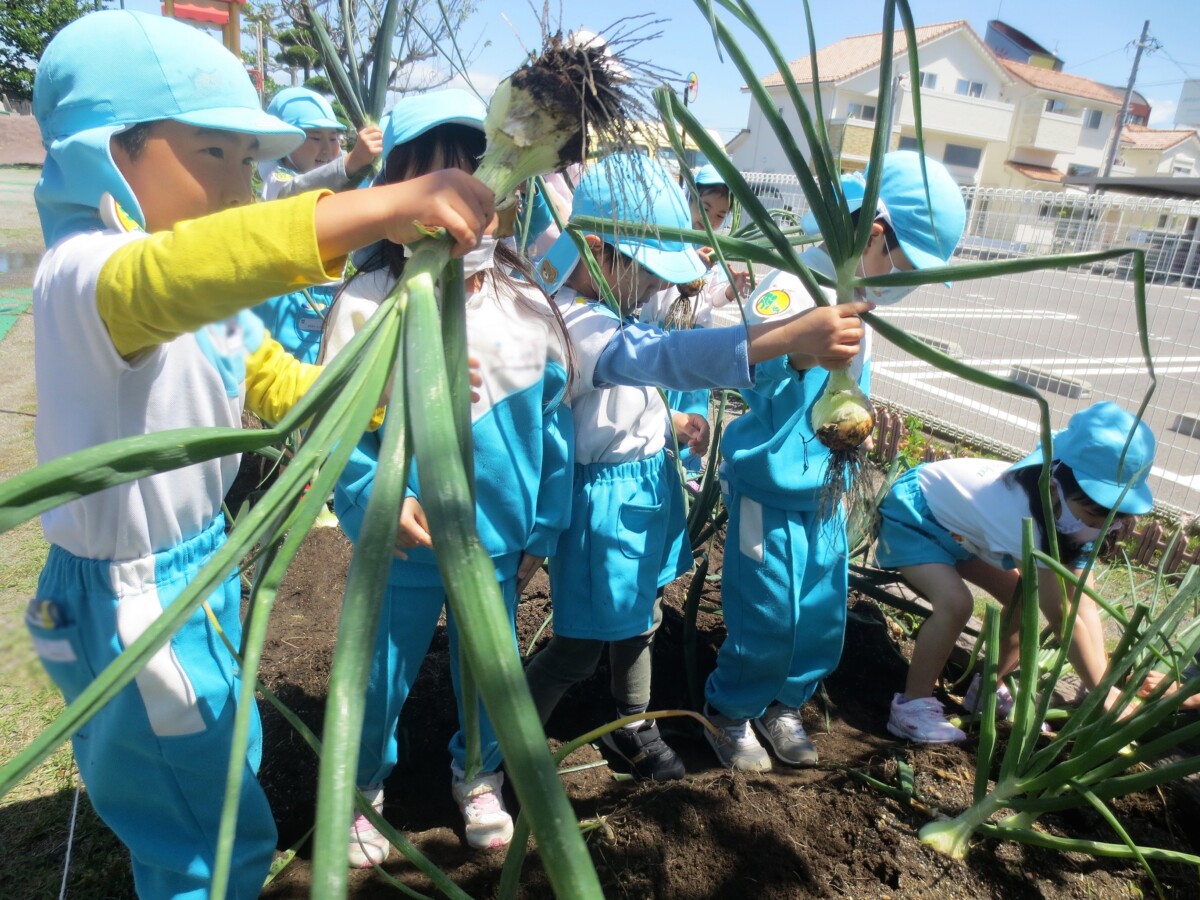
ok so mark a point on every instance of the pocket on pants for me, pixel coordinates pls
(635, 523)
(56, 641)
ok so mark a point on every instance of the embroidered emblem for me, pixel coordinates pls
(548, 272)
(772, 303)
(115, 217)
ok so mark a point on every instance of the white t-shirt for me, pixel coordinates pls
(983, 512)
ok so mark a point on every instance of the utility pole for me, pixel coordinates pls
(1145, 42)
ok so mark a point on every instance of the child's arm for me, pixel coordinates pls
(345, 172)
(171, 283)
(638, 354)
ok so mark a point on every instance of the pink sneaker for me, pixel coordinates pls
(1004, 698)
(367, 846)
(487, 822)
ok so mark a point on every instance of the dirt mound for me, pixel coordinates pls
(20, 141)
(787, 833)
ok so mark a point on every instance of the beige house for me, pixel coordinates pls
(993, 122)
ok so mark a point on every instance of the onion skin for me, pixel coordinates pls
(843, 417)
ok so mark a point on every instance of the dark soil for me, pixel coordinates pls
(787, 833)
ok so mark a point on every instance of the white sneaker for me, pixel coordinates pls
(921, 720)
(367, 846)
(783, 729)
(737, 747)
(487, 822)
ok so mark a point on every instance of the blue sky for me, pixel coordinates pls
(1094, 37)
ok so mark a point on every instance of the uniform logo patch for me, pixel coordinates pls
(772, 303)
(115, 217)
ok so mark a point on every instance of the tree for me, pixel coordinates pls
(421, 31)
(26, 27)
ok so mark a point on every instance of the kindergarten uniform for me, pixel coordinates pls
(785, 576)
(627, 536)
(954, 510)
(521, 430)
(118, 558)
(297, 320)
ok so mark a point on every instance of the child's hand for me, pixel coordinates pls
(526, 569)
(1152, 682)
(368, 146)
(450, 199)
(707, 256)
(475, 376)
(830, 335)
(414, 530)
(740, 288)
(692, 430)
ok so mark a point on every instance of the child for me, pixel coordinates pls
(522, 437)
(1154, 679)
(318, 162)
(145, 206)
(692, 306)
(296, 319)
(958, 520)
(785, 576)
(626, 539)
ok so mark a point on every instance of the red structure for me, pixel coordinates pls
(225, 13)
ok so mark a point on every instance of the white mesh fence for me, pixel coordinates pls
(1071, 333)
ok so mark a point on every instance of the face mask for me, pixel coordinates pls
(1068, 523)
(482, 257)
(886, 295)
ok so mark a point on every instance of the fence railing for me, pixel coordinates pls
(1071, 333)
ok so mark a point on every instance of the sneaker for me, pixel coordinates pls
(782, 728)
(367, 846)
(487, 822)
(737, 747)
(922, 720)
(645, 751)
(1004, 697)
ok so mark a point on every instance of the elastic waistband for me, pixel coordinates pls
(623, 471)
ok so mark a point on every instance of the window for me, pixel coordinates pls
(1076, 169)
(969, 88)
(1091, 118)
(928, 81)
(1056, 106)
(1180, 170)
(907, 143)
(860, 111)
(966, 157)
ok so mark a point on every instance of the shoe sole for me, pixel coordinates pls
(806, 763)
(606, 740)
(917, 740)
(490, 840)
(729, 764)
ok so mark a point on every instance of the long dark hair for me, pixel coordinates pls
(1070, 551)
(455, 146)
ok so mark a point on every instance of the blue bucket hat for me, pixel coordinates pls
(1091, 445)
(415, 114)
(112, 69)
(629, 187)
(708, 175)
(304, 108)
(928, 241)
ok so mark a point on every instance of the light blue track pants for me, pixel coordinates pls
(407, 622)
(783, 593)
(154, 758)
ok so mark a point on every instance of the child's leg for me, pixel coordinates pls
(760, 599)
(952, 603)
(630, 663)
(564, 662)
(407, 622)
(154, 758)
(489, 746)
(1002, 584)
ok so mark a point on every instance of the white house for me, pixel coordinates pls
(992, 121)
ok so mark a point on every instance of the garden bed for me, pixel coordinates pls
(787, 833)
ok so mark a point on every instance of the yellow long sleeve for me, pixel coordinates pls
(151, 291)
